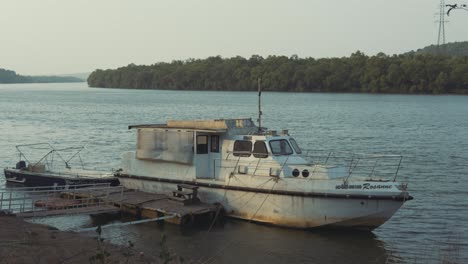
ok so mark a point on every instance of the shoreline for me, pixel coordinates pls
(25, 242)
(291, 92)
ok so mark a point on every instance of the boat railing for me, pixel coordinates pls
(40, 201)
(52, 154)
(332, 165)
(378, 167)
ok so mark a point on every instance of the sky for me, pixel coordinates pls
(63, 36)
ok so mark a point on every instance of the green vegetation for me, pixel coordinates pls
(410, 73)
(449, 49)
(7, 76)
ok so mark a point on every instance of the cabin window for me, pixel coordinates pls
(280, 147)
(202, 144)
(295, 146)
(242, 148)
(214, 143)
(260, 149)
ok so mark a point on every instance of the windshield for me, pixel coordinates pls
(280, 147)
(295, 146)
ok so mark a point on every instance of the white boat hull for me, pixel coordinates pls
(292, 211)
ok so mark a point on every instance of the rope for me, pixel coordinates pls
(220, 206)
(210, 259)
(261, 205)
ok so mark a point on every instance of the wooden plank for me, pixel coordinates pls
(95, 192)
(186, 186)
(70, 211)
(130, 197)
(169, 206)
(138, 198)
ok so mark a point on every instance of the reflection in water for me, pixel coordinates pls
(64, 222)
(243, 242)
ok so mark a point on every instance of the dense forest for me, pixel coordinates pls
(449, 49)
(408, 73)
(7, 76)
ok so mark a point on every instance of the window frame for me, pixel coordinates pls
(281, 154)
(246, 154)
(260, 155)
(294, 145)
(201, 150)
(214, 147)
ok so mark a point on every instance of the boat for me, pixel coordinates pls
(263, 175)
(46, 172)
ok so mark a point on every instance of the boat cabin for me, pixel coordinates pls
(213, 149)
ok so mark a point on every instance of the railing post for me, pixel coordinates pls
(107, 195)
(398, 168)
(373, 168)
(9, 203)
(351, 169)
(24, 202)
(121, 195)
(235, 167)
(1, 201)
(214, 168)
(47, 201)
(326, 160)
(258, 163)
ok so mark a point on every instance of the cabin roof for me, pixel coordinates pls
(166, 127)
(213, 126)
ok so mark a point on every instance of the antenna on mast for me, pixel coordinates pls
(259, 105)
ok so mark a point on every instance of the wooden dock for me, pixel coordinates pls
(70, 211)
(184, 205)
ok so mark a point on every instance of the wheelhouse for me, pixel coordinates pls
(209, 149)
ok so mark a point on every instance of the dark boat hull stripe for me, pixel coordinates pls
(278, 192)
(43, 180)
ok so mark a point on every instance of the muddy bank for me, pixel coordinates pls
(24, 242)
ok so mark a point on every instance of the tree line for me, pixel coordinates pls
(450, 49)
(8, 76)
(409, 73)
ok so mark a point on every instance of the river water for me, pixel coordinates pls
(431, 132)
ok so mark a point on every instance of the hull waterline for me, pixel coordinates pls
(43, 179)
(301, 211)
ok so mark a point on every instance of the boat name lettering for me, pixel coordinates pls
(368, 186)
(348, 186)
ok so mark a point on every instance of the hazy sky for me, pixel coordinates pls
(62, 36)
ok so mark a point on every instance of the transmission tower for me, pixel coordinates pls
(441, 21)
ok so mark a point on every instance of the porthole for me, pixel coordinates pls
(295, 172)
(305, 173)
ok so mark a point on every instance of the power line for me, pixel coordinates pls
(441, 21)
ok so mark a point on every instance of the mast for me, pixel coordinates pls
(259, 105)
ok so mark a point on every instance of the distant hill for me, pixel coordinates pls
(450, 49)
(81, 75)
(8, 76)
